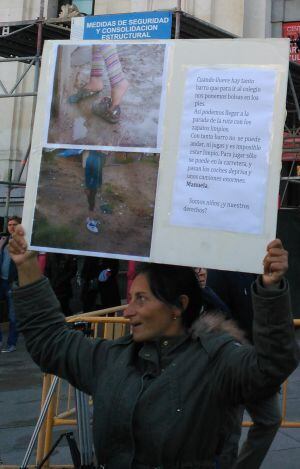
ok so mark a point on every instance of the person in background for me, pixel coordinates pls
(61, 269)
(234, 288)
(8, 276)
(131, 273)
(211, 301)
(100, 276)
(42, 261)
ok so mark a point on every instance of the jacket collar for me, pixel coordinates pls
(213, 330)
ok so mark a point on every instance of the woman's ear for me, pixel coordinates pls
(184, 301)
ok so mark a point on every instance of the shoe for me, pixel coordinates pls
(105, 110)
(82, 93)
(92, 225)
(9, 349)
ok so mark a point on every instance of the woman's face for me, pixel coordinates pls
(149, 317)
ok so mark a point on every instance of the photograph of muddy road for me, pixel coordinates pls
(108, 95)
(124, 198)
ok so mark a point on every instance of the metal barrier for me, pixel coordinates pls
(104, 325)
(110, 328)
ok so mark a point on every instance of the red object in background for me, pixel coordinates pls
(42, 261)
(130, 277)
(291, 142)
(292, 31)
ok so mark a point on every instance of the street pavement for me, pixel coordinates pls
(20, 398)
(20, 394)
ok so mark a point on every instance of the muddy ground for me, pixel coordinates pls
(125, 205)
(76, 124)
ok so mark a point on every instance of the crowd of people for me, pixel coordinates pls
(89, 282)
(204, 346)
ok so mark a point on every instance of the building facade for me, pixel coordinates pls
(244, 18)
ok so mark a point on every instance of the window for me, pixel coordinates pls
(84, 6)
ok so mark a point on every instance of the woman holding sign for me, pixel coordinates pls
(163, 395)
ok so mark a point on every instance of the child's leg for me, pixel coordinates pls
(95, 83)
(93, 170)
(93, 181)
(91, 197)
(117, 79)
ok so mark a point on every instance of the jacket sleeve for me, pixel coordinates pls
(51, 343)
(252, 372)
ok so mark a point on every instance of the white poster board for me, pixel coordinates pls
(210, 134)
(224, 149)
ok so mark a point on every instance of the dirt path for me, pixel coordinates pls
(128, 189)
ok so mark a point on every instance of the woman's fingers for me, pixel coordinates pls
(275, 263)
(18, 241)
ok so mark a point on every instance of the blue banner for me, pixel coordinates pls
(127, 26)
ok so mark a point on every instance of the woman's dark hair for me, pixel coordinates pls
(168, 282)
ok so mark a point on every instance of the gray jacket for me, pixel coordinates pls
(162, 404)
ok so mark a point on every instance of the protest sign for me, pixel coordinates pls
(189, 171)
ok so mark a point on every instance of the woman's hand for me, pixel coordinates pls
(18, 246)
(275, 263)
(26, 261)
